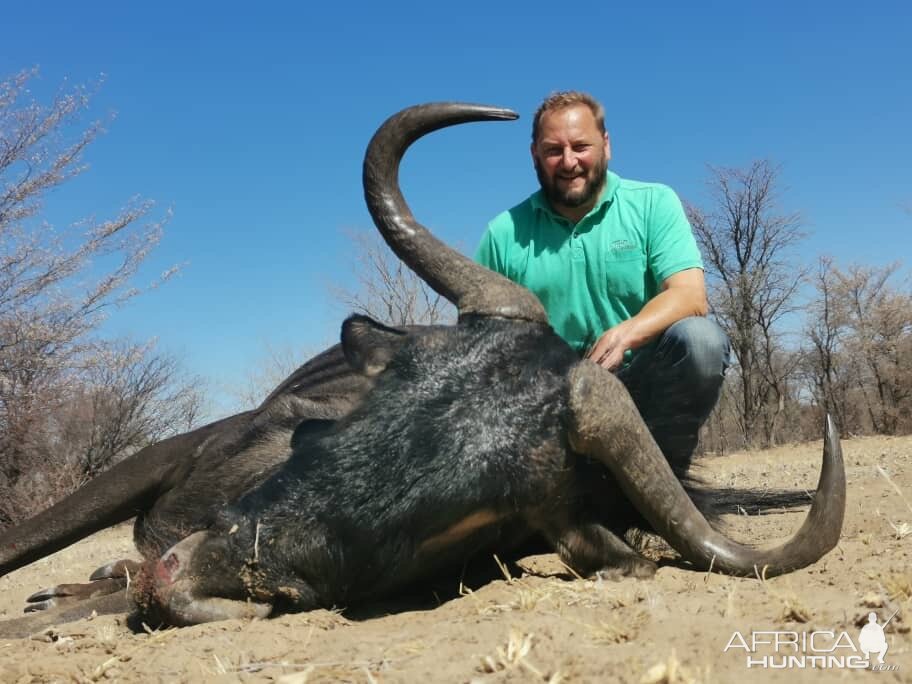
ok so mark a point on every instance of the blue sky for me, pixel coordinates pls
(250, 122)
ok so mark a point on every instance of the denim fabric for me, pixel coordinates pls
(676, 382)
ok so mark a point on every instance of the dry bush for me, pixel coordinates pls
(57, 284)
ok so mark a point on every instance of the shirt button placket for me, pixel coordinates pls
(576, 246)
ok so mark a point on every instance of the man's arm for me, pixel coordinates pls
(683, 294)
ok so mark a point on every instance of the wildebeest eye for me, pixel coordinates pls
(309, 429)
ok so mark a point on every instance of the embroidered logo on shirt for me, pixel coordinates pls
(622, 246)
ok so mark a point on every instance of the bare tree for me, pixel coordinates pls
(129, 396)
(383, 288)
(879, 343)
(56, 283)
(266, 373)
(860, 361)
(825, 364)
(126, 396)
(753, 282)
(388, 290)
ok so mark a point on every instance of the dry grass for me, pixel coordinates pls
(730, 603)
(514, 654)
(617, 630)
(886, 476)
(792, 609)
(671, 672)
(901, 529)
(898, 586)
(154, 638)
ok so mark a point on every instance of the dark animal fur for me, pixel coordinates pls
(444, 434)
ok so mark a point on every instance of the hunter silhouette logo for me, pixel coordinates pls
(872, 639)
(820, 649)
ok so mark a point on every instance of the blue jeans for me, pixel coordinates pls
(676, 382)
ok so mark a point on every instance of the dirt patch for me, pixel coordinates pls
(540, 625)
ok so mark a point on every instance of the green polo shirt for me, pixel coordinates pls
(603, 270)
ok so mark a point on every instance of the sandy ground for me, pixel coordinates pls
(538, 624)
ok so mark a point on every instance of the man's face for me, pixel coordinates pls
(571, 157)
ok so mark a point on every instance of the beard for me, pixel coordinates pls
(595, 181)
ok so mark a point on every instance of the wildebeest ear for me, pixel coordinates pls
(369, 345)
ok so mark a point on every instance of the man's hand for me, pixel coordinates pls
(683, 294)
(608, 352)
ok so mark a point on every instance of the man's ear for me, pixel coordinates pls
(368, 345)
(607, 147)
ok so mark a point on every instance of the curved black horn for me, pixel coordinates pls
(607, 427)
(471, 287)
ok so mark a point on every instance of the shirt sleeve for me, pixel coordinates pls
(670, 246)
(488, 253)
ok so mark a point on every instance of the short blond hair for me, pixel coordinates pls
(568, 98)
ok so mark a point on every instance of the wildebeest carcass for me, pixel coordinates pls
(174, 487)
(472, 436)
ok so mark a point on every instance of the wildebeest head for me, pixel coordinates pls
(468, 430)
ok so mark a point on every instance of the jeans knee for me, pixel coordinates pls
(699, 348)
